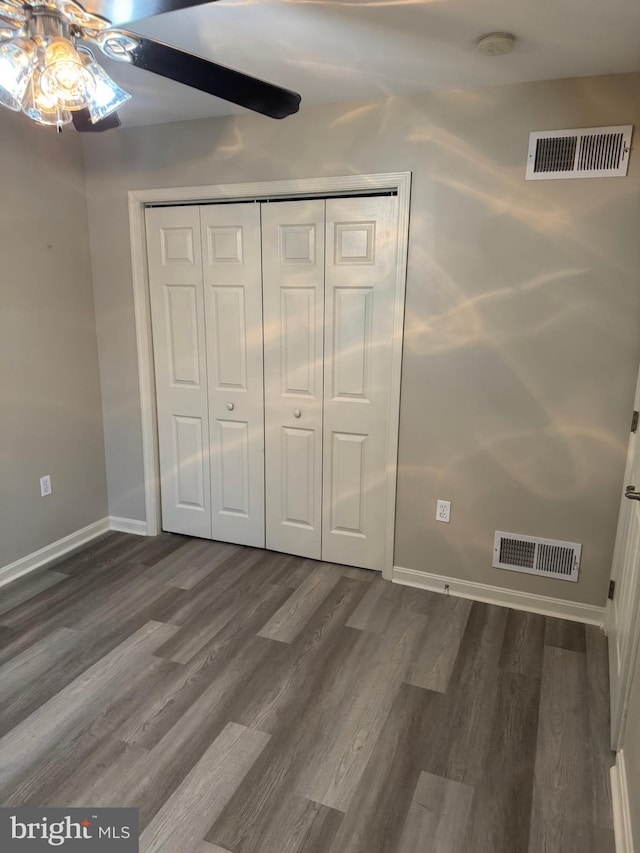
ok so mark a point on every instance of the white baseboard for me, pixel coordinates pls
(53, 551)
(128, 525)
(620, 802)
(499, 595)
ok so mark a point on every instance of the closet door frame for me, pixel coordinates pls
(398, 182)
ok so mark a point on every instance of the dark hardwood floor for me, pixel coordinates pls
(252, 702)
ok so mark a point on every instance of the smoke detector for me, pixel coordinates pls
(496, 44)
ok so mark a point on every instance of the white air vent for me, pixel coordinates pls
(588, 152)
(535, 556)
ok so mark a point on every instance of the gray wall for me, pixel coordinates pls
(631, 747)
(521, 347)
(50, 407)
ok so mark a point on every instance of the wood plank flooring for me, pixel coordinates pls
(252, 702)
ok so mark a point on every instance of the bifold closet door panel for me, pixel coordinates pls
(233, 313)
(177, 314)
(359, 318)
(293, 296)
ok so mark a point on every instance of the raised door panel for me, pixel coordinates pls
(188, 451)
(233, 310)
(361, 236)
(297, 484)
(229, 344)
(177, 310)
(298, 341)
(352, 343)
(293, 282)
(233, 482)
(347, 498)
(181, 318)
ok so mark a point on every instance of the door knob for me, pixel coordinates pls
(631, 493)
(296, 413)
(230, 406)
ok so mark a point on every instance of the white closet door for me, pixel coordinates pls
(359, 316)
(293, 294)
(177, 312)
(233, 311)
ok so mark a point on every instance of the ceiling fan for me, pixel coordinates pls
(49, 71)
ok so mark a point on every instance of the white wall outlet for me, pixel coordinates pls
(443, 511)
(45, 485)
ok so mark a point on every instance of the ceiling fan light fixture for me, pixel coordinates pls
(43, 72)
(18, 59)
(65, 81)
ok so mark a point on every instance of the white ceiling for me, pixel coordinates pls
(343, 50)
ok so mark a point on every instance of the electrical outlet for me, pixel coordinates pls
(45, 485)
(443, 511)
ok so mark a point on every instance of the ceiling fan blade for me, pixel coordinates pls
(82, 122)
(218, 80)
(124, 11)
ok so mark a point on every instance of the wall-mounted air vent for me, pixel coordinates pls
(536, 556)
(587, 152)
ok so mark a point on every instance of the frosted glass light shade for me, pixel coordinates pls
(108, 96)
(18, 58)
(65, 80)
(39, 108)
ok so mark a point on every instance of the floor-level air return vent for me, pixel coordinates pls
(587, 152)
(535, 556)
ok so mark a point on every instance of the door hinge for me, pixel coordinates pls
(612, 590)
(634, 422)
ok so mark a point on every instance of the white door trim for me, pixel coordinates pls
(395, 181)
(621, 806)
(621, 677)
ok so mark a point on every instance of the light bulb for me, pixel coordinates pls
(18, 58)
(65, 81)
(40, 108)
